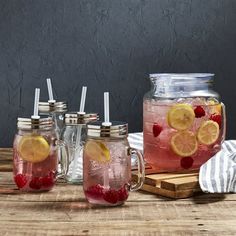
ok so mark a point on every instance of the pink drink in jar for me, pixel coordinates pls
(107, 164)
(35, 159)
(183, 122)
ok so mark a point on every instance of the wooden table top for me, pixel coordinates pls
(64, 211)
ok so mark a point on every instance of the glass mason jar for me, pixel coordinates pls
(183, 121)
(74, 135)
(107, 164)
(56, 110)
(35, 159)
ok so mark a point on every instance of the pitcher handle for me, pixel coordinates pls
(64, 158)
(141, 169)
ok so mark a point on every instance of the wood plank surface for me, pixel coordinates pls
(6, 159)
(64, 211)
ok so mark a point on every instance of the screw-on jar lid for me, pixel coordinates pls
(48, 107)
(28, 124)
(75, 118)
(116, 130)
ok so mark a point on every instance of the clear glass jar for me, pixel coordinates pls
(183, 121)
(74, 135)
(35, 159)
(107, 164)
(56, 110)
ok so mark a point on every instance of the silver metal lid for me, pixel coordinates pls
(28, 124)
(116, 130)
(75, 118)
(49, 107)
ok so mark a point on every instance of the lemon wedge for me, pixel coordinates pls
(184, 143)
(181, 116)
(208, 132)
(97, 151)
(33, 148)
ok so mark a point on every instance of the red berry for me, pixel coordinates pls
(20, 180)
(47, 181)
(123, 193)
(111, 196)
(95, 191)
(36, 183)
(199, 112)
(186, 162)
(217, 118)
(156, 129)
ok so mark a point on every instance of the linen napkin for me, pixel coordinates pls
(217, 175)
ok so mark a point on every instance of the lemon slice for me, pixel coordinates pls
(33, 148)
(97, 151)
(215, 107)
(208, 132)
(181, 116)
(184, 143)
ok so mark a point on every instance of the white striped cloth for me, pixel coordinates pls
(217, 175)
(136, 141)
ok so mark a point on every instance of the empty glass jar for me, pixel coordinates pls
(56, 110)
(74, 135)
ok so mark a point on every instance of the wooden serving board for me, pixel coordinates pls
(172, 185)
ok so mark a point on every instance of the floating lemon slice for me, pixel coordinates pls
(208, 132)
(33, 148)
(181, 116)
(215, 107)
(184, 143)
(97, 151)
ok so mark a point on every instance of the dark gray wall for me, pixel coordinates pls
(110, 45)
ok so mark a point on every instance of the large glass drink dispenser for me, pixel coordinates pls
(183, 121)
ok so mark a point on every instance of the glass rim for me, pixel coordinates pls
(182, 76)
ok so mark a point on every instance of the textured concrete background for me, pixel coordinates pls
(110, 45)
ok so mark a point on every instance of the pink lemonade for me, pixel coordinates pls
(107, 172)
(34, 162)
(182, 134)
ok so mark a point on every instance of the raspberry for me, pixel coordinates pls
(111, 196)
(95, 191)
(156, 129)
(123, 193)
(36, 183)
(186, 162)
(217, 118)
(47, 181)
(199, 112)
(20, 180)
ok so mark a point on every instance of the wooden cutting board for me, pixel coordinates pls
(172, 185)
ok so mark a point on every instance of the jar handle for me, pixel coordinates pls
(64, 158)
(141, 169)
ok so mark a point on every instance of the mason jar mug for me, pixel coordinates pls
(74, 135)
(35, 155)
(107, 164)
